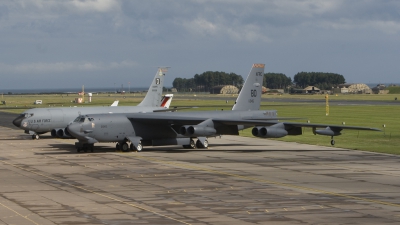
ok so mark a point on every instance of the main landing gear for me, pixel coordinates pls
(138, 148)
(197, 144)
(332, 141)
(125, 147)
(192, 145)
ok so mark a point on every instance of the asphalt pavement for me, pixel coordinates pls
(238, 180)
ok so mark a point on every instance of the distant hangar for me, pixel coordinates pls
(352, 89)
(224, 89)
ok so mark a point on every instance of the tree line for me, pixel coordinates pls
(206, 81)
(324, 81)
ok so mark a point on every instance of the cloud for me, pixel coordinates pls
(74, 36)
(236, 20)
(60, 67)
(95, 5)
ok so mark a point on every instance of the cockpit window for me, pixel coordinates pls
(27, 115)
(82, 119)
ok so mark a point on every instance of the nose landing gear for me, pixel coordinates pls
(35, 137)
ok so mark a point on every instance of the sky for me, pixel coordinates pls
(108, 43)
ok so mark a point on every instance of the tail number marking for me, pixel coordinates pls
(253, 93)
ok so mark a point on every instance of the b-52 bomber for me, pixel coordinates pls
(182, 128)
(55, 120)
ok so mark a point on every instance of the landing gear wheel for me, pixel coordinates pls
(91, 147)
(78, 149)
(202, 145)
(205, 144)
(35, 137)
(117, 146)
(332, 142)
(139, 147)
(192, 145)
(125, 147)
(199, 144)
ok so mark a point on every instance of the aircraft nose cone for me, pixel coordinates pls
(73, 130)
(18, 121)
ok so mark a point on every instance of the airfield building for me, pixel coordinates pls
(224, 89)
(349, 88)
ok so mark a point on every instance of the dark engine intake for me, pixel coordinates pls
(196, 131)
(60, 133)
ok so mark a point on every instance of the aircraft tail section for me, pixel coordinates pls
(115, 103)
(250, 96)
(166, 100)
(154, 94)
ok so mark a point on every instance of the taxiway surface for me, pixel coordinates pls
(237, 181)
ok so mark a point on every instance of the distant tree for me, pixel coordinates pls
(207, 80)
(277, 81)
(321, 80)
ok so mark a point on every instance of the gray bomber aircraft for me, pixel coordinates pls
(180, 128)
(55, 120)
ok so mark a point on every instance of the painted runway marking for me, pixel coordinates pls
(19, 214)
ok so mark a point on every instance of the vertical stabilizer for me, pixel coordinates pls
(154, 94)
(166, 101)
(250, 96)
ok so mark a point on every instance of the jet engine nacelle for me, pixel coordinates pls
(54, 132)
(61, 133)
(269, 132)
(196, 131)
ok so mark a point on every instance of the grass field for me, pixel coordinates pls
(394, 90)
(387, 141)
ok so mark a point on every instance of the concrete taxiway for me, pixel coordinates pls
(237, 181)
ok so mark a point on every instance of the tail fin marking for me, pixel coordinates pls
(250, 96)
(154, 94)
(166, 101)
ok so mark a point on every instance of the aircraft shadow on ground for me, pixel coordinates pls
(56, 149)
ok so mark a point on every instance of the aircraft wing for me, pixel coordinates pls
(257, 122)
(174, 109)
(190, 120)
(329, 125)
